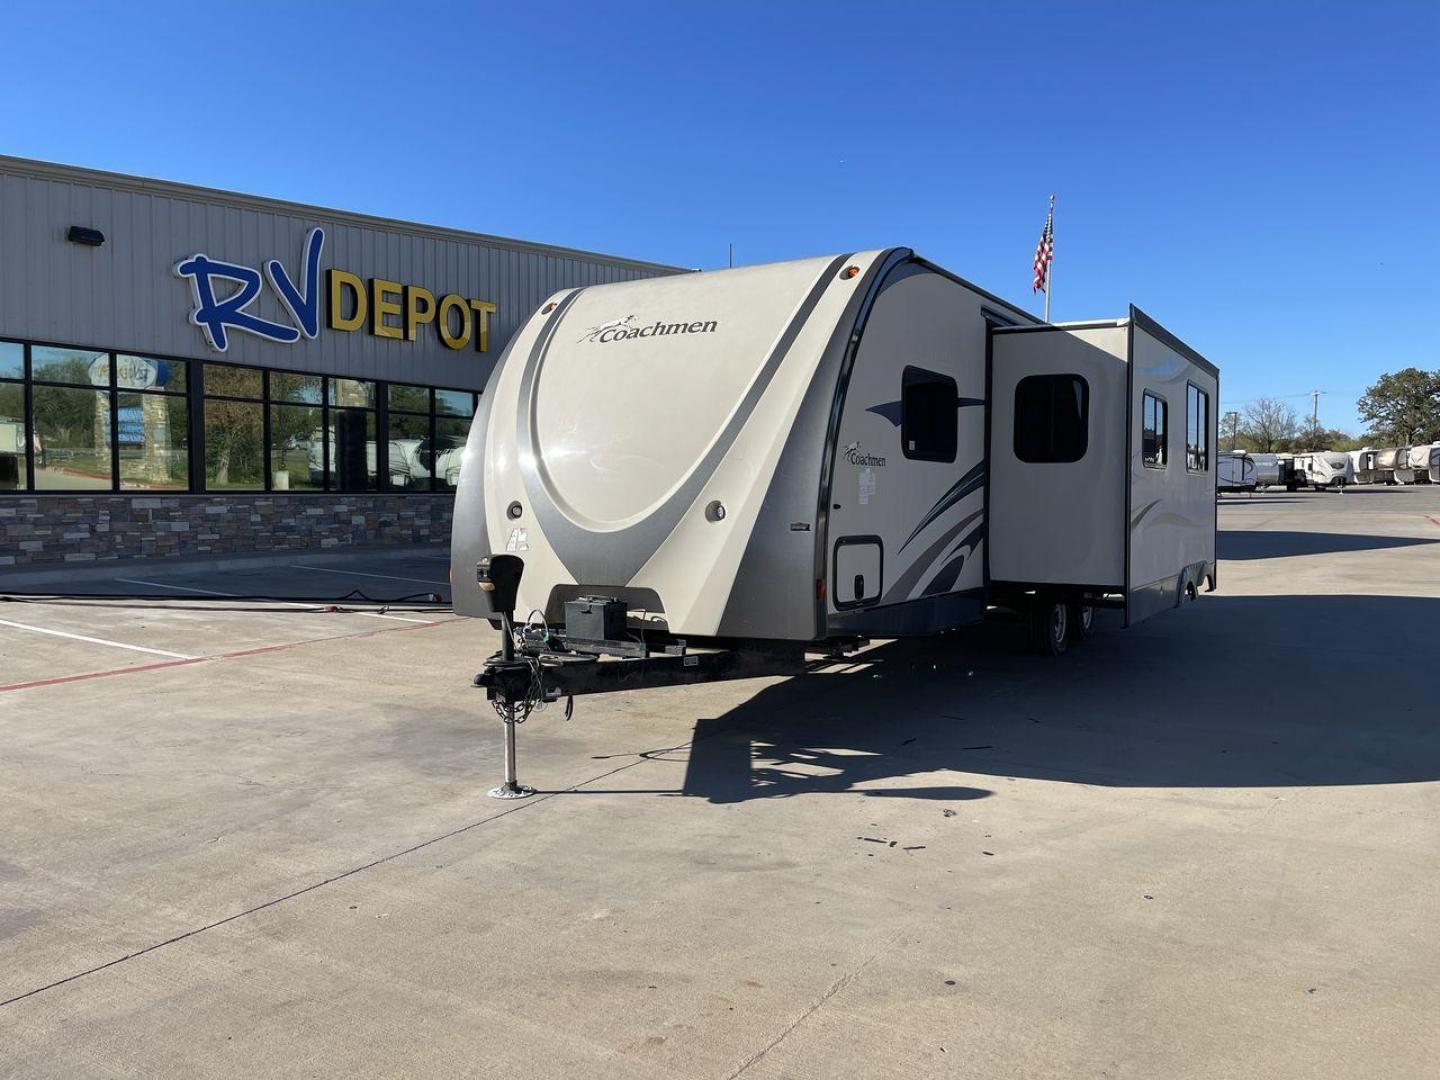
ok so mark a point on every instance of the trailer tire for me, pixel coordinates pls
(1082, 620)
(1049, 627)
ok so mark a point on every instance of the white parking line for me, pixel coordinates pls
(177, 588)
(357, 573)
(95, 640)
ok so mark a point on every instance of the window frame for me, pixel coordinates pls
(1050, 378)
(1162, 435)
(913, 375)
(1202, 447)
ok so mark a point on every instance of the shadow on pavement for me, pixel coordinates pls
(1230, 692)
(1262, 544)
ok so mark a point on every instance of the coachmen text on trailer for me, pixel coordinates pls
(717, 475)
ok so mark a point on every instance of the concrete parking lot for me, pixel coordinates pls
(1203, 847)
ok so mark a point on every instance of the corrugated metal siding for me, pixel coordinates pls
(125, 295)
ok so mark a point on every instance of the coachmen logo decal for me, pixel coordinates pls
(856, 456)
(625, 329)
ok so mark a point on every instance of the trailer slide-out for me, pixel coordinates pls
(719, 474)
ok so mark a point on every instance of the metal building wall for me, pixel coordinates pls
(125, 295)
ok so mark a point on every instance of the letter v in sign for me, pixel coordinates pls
(304, 307)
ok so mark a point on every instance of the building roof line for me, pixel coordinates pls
(48, 170)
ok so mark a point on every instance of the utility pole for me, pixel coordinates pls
(1233, 419)
(1315, 415)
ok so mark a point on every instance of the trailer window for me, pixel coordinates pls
(929, 415)
(1052, 418)
(1154, 432)
(1197, 429)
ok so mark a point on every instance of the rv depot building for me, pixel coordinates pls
(185, 370)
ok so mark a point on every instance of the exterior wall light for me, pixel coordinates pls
(79, 234)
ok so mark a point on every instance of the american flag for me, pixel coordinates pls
(1044, 252)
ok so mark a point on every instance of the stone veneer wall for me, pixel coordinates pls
(43, 529)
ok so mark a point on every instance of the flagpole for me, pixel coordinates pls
(1050, 267)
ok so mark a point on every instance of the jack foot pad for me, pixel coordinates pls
(512, 791)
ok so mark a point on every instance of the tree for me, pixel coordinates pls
(1403, 407)
(1230, 422)
(1269, 424)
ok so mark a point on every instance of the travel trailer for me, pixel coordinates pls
(715, 474)
(1416, 466)
(1268, 470)
(1323, 470)
(1235, 471)
(1433, 468)
(1387, 461)
(1362, 465)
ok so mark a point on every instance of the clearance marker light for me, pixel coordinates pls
(849, 272)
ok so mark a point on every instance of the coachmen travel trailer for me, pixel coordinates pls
(717, 475)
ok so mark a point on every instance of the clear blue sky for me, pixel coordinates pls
(1260, 177)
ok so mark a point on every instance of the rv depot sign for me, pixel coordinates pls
(384, 308)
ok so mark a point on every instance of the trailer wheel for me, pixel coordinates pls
(1050, 627)
(1081, 617)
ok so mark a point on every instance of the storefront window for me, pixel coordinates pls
(12, 434)
(147, 373)
(301, 389)
(154, 435)
(297, 447)
(352, 450)
(79, 367)
(454, 403)
(72, 439)
(103, 421)
(221, 380)
(234, 434)
(355, 393)
(411, 399)
(409, 437)
(12, 360)
(447, 449)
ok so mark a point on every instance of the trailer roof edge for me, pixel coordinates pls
(1155, 330)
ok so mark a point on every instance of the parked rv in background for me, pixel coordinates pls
(1235, 471)
(1322, 469)
(1416, 465)
(1387, 461)
(1362, 465)
(1433, 469)
(1268, 471)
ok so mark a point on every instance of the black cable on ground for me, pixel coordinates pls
(415, 602)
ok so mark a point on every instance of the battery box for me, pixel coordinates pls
(595, 618)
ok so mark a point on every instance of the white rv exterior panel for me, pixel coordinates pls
(639, 461)
(1172, 508)
(1060, 522)
(928, 514)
